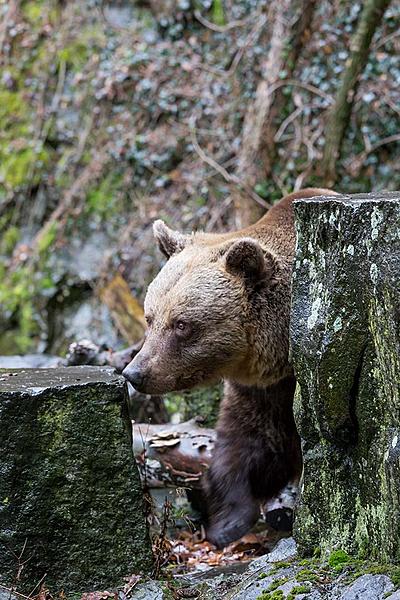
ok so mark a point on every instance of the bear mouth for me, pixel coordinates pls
(195, 378)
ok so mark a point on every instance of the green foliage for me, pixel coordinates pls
(10, 239)
(395, 575)
(21, 159)
(218, 15)
(47, 239)
(102, 199)
(201, 402)
(74, 55)
(33, 11)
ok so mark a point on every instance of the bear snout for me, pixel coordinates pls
(136, 376)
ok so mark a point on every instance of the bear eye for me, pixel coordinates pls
(149, 320)
(181, 326)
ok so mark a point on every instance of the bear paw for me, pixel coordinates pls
(228, 528)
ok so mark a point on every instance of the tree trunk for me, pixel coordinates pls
(258, 146)
(339, 116)
(345, 336)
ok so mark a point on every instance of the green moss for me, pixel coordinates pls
(278, 566)
(277, 583)
(102, 199)
(298, 589)
(39, 12)
(47, 239)
(338, 559)
(76, 497)
(21, 160)
(74, 55)
(16, 166)
(307, 575)
(78, 51)
(275, 595)
(33, 11)
(10, 238)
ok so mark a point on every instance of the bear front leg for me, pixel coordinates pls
(256, 454)
(231, 508)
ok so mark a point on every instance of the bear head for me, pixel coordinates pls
(211, 314)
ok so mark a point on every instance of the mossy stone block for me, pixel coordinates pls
(71, 503)
(345, 337)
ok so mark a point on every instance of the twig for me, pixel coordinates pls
(38, 584)
(221, 28)
(387, 100)
(14, 592)
(305, 86)
(83, 138)
(250, 41)
(229, 178)
(385, 39)
(218, 213)
(287, 122)
(355, 163)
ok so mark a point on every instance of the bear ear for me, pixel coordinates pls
(170, 242)
(246, 258)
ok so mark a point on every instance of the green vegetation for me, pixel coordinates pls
(22, 159)
(338, 559)
(268, 595)
(296, 590)
(201, 402)
(308, 572)
(218, 15)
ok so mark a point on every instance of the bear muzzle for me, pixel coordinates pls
(136, 376)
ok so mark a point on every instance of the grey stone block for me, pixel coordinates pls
(71, 504)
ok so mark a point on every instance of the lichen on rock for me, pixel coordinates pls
(348, 371)
(71, 499)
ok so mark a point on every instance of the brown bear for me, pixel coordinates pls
(220, 308)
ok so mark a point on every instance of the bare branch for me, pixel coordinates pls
(229, 178)
(221, 28)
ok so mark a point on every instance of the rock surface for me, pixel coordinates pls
(71, 500)
(368, 587)
(30, 361)
(279, 575)
(345, 334)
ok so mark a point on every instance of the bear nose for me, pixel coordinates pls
(135, 376)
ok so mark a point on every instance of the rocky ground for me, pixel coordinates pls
(281, 575)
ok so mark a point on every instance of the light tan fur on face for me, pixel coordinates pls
(193, 287)
(239, 325)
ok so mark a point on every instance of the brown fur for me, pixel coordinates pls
(220, 309)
